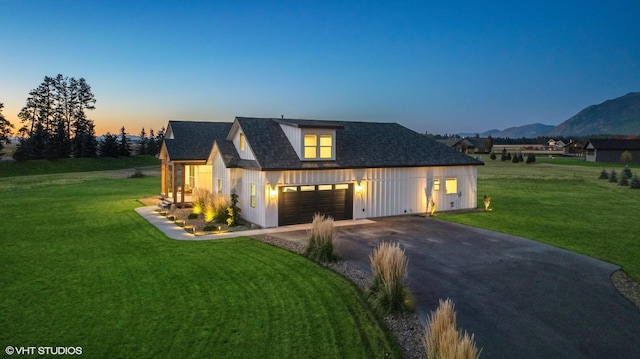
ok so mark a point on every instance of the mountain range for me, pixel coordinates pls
(620, 116)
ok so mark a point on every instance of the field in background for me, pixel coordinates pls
(563, 203)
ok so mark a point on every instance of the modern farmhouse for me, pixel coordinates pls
(285, 170)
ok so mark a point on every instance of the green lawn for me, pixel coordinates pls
(563, 205)
(67, 165)
(81, 268)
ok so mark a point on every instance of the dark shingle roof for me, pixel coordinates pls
(194, 140)
(358, 144)
(614, 144)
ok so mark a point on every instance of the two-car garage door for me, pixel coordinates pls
(298, 204)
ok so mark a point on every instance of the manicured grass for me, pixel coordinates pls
(37, 167)
(562, 205)
(81, 268)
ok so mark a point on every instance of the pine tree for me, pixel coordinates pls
(624, 181)
(109, 145)
(635, 182)
(123, 144)
(152, 148)
(5, 130)
(504, 155)
(515, 158)
(142, 143)
(531, 158)
(604, 174)
(626, 172)
(613, 177)
(493, 156)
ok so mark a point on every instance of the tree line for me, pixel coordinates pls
(55, 125)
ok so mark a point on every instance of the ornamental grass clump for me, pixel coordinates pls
(388, 292)
(443, 340)
(199, 199)
(320, 248)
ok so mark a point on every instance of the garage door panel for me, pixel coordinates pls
(300, 203)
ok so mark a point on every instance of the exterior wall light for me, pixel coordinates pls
(358, 189)
(273, 193)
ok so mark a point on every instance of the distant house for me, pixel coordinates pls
(610, 150)
(553, 145)
(470, 145)
(285, 170)
(573, 148)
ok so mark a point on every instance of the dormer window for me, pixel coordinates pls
(242, 141)
(318, 146)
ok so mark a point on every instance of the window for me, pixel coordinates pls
(318, 146)
(436, 184)
(326, 145)
(253, 195)
(451, 185)
(219, 185)
(310, 145)
(242, 142)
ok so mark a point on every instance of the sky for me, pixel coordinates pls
(436, 66)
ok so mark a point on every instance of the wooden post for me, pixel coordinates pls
(182, 182)
(174, 188)
(163, 179)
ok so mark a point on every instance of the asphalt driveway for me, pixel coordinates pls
(521, 298)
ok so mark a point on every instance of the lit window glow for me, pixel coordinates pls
(451, 185)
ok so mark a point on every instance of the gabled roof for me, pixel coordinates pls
(613, 144)
(358, 145)
(192, 141)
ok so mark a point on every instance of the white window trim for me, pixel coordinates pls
(318, 134)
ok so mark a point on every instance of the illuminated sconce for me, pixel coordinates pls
(359, 189)
(273, 193)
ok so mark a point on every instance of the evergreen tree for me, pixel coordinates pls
(57, 105)
(604, 174)
(109, 145)
(635, 182)
(123, 144)
(152, 147)
(613, 177)
(515, 158)
(88, 142)
(159, 139)
(504, 155)
(520, 157)
(531, 158)
(624, 181)
(5, 130)
(493, 156)
(626, 172)
(142, 143)
(509, 158)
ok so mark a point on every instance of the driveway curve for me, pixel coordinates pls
(521, 298)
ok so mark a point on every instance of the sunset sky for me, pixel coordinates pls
(437, 66)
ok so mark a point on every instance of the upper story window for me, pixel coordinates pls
(318, 146)
(242, 140)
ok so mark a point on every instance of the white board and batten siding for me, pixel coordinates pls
(384, 191)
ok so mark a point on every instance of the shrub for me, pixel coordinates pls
(441, 337)
(320, 248)
(604, 174)
(233, 211)
(504, 155)
(531, 158)
(199, 198)
(520, 158)
(493, 155)
(626, 172)
(193, 216)
(623, 181)
(388, 292)
(515, 158)
(635, 182)
(509, 156)
(136, 174)
(613, 177)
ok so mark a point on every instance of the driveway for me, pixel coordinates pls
(521, 298)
